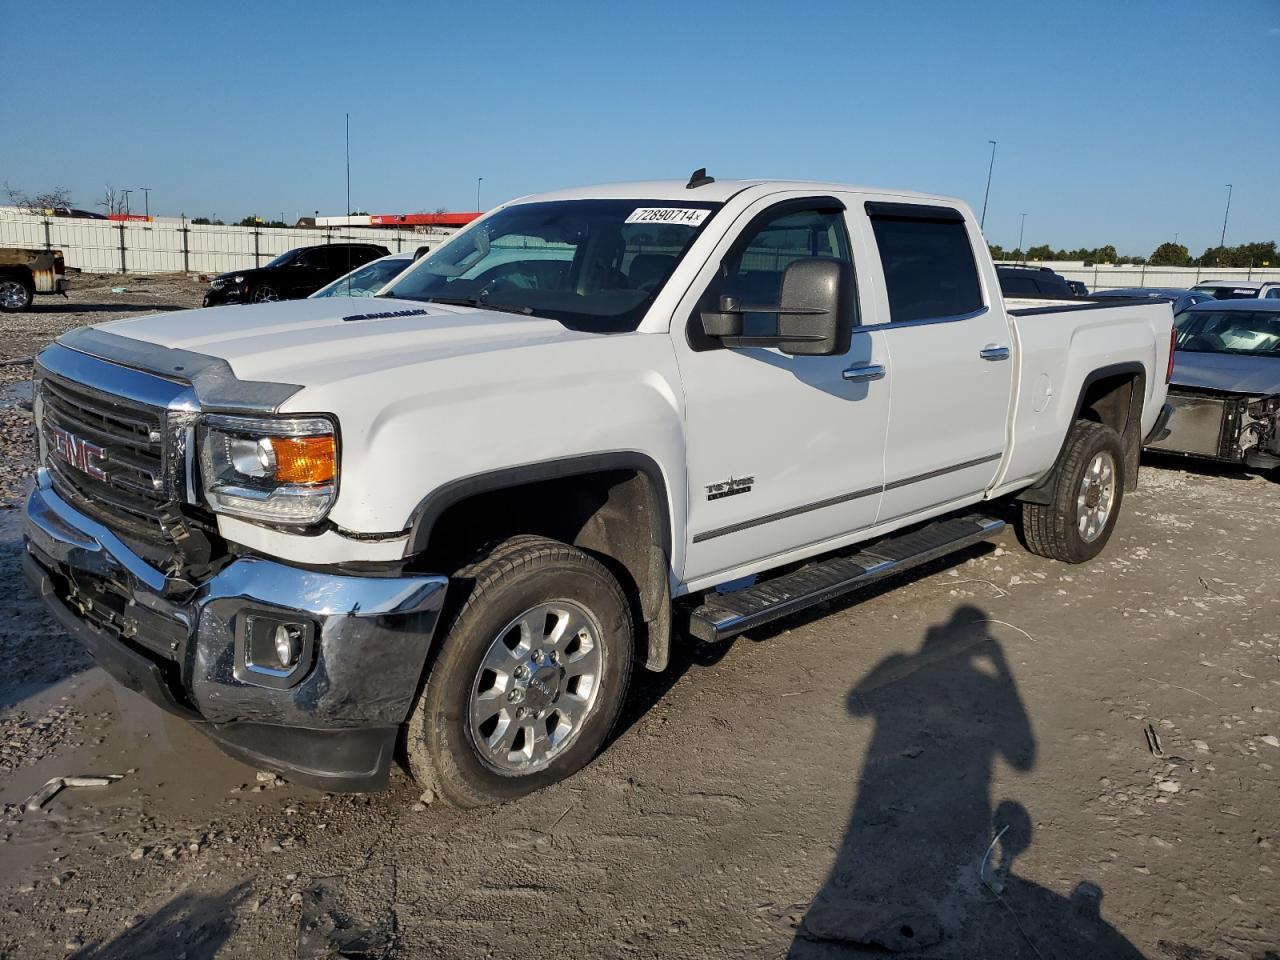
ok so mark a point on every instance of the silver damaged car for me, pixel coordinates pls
(1225, 392)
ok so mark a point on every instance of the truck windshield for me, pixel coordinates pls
(1230, 331)
(593, 265)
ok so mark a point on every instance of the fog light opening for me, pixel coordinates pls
(271, 650)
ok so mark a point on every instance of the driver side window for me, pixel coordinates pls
(753, 274)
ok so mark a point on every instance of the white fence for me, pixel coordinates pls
(1109, 276)
(169, 246)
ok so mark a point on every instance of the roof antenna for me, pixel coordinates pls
(699, 179)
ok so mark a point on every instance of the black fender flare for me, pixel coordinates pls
(1040, 491)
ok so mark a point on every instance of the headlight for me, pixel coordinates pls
(283, 470)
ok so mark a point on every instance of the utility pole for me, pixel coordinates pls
(479, 180)
(1223, 241)
(146, 201)
(1021, 230)
(990, 166)
(126, 202)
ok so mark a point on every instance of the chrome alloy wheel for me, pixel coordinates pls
(1096, 497)
(13, 294)
(536, 686)
(265, 295)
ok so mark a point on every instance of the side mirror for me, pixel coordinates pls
(816, 311)
(817, 307)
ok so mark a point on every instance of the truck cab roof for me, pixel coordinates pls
(717, 191)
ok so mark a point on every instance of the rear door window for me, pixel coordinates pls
(928, 263)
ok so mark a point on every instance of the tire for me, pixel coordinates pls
(466, 739)
(1060, 529)
(264, 294)
(16, 293)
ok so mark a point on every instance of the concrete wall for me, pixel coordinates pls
(104, 246)
(1108, 277)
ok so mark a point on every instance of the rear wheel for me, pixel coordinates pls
(16, 294)
(1087, 488)
(264, 294)
(529, 678)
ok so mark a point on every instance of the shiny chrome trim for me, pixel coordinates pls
(994, 351)
(928, 321)
(112, 380)
(69, 536)
(832, 501)
(877, 569)
(942, 471)
(864, 373)
(785, 514)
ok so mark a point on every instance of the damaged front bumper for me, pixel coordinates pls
(330, 721)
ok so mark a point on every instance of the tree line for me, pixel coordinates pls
(1168, 254)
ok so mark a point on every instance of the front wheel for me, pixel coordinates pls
(1087, 489)
(264, 294)
(529, 678)
(16, 294)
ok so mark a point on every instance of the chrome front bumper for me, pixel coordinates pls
(332, 722)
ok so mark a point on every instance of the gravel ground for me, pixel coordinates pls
(826, 788)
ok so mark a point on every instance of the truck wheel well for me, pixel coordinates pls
(617, 515)
(1112, 396)
(1115, 400)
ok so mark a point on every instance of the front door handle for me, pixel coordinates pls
(994, 351)
(864, 372)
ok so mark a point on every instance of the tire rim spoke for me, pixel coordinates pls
(536, 686)
(1095, 497)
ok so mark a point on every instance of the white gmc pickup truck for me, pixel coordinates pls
(442, 524)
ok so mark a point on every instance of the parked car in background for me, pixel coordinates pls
(576, 420)
(1078, 288)
(1181, 298)
(1225, 391)
(1244, 290)
(25, 272)
(293, 275)
(1019, 281)
(367, 280)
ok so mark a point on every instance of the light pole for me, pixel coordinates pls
(1223, 241)
(990, 166)
(479, 180)
(126, 201)
(1021, 230)
(146, 201)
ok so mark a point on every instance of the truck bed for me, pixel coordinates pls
(1095, 337)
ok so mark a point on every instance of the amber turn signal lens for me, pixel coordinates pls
(305, 459)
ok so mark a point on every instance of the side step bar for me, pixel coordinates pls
(723, 615)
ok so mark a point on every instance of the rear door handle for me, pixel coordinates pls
(864, 373)
(994, 351)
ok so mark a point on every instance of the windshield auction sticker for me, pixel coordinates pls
(683, 216)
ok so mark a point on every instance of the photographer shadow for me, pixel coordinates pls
(917, 872)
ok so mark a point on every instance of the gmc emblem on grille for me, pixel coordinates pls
(79, 453)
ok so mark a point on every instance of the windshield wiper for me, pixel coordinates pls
(479, 304)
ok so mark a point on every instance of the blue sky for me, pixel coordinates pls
(1117, 122)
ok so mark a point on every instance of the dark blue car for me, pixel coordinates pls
(1181, 298)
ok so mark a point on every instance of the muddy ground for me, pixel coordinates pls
(831, 782)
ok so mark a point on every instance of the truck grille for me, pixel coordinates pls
(128, 495)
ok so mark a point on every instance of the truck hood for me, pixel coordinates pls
(321, 341)
(1228, 372)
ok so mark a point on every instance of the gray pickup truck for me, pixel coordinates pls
(26, 272)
